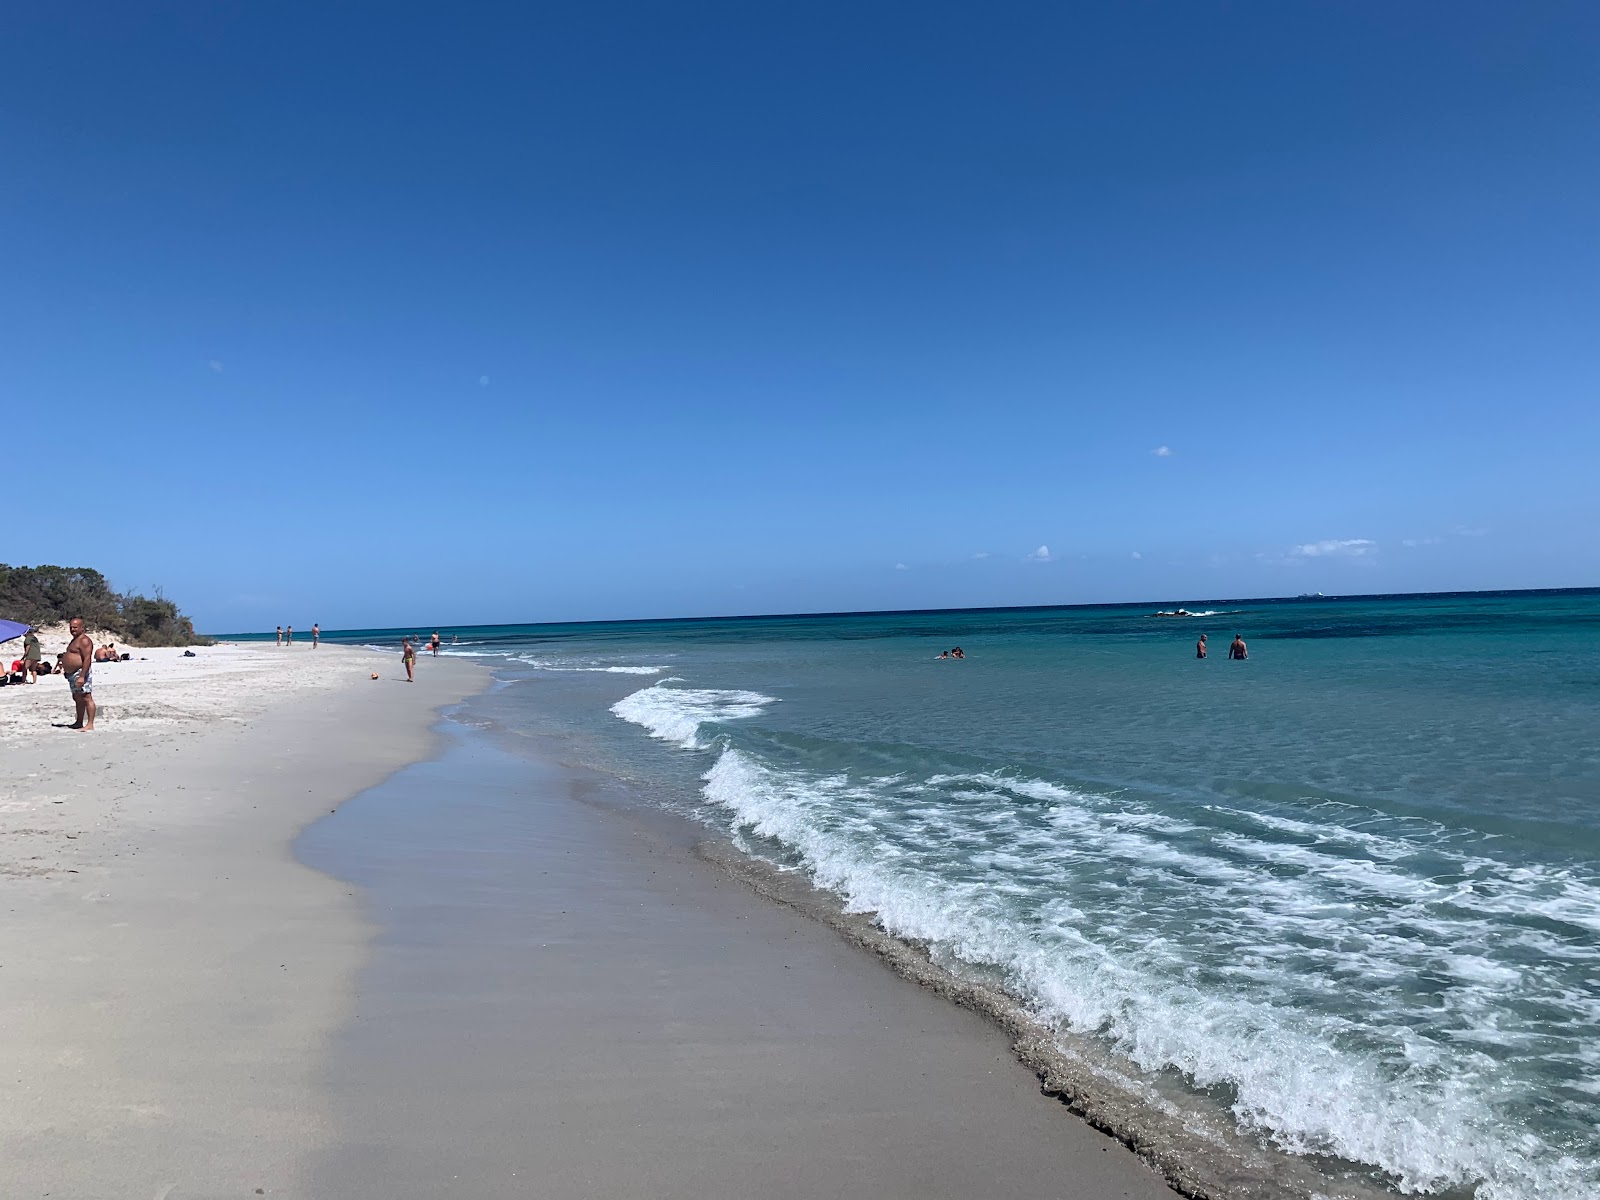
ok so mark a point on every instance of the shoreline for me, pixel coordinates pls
(169, 973)
(1190, 1139)
(1173, 1134)
(200, 997)
(563, 989)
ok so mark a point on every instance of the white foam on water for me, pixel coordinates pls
(1212, 952)
(588, 666)
(676, 714)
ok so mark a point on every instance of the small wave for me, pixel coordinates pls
(1081, 902)
(676, 714)
(545, 664)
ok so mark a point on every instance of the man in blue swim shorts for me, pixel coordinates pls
(75, 665)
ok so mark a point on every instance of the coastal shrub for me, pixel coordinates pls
(46, 595)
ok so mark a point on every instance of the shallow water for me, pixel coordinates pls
(1348, 889)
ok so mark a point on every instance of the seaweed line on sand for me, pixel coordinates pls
(1189, 1148)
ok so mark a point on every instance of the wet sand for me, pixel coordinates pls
(566, 1001)
(484, 976)
(169, 974)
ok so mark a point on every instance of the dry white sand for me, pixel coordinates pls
(169, 974)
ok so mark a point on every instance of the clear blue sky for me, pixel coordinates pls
(397, 313)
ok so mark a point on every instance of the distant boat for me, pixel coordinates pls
(1177, 612)
(1310, 596)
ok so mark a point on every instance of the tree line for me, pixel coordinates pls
(45, 595)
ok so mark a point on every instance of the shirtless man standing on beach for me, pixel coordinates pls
(75, 665)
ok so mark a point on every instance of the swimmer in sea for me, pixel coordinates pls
(1200, 647)
(958, 652)
(1238, 649)
(946, 654)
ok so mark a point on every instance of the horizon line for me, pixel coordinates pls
(904, 612)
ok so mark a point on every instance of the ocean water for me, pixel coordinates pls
(1345, 893)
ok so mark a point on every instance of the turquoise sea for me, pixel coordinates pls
(1344, 894)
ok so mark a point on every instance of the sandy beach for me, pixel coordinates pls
(568, 1000)
(491, 987)
(169, 975)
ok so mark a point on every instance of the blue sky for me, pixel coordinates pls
(395, 313)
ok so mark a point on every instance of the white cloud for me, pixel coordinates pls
(1042, 554)
(215, 366)
(982, 554)
(1162, 452)
(901, 567)
(1336, 548)
(1136, 554)
(1427, 541)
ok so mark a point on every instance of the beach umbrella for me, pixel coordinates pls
(11, 629)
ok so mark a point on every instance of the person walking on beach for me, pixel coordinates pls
(75, 665)
(1200, 647)
(408, 655)
(433, 643)
(315, 634)
(1238, 649)
(280, 635)
(32, 660)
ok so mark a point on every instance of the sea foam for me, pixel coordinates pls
(676, 714)
(1082, 904)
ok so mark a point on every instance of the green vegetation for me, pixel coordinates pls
(46, 595)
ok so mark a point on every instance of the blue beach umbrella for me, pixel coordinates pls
(11, 629)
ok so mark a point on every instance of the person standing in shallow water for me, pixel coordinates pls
(408, 655)
(1200, 647)
(433, 643)
(1238, 649)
